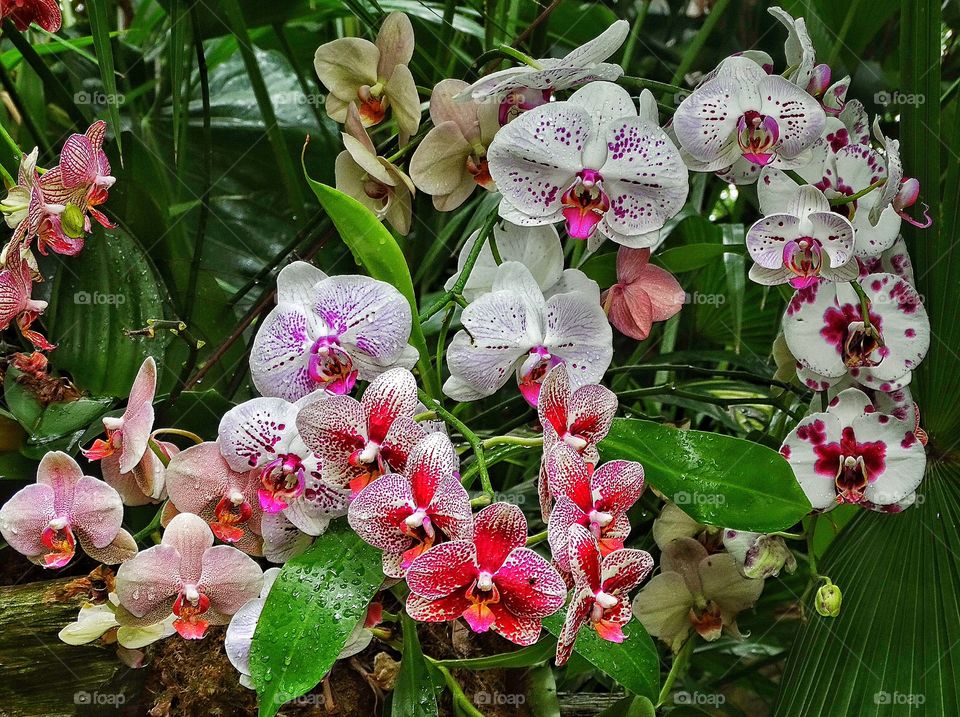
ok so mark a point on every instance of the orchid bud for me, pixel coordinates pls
(72, 221)
(828, 600)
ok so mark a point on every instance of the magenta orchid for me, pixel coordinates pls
(186, 575)
(493, 582)
(596, 498)
(326, 332)
(643, 294)
(593, 161)
(826, 330)
(405, 515)
(359, 441)
(602, 584)
(17, 303)
(851, 453)
(514, 328)
(47, 520)
(804, 244)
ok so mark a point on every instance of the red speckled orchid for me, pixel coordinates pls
(82, 178)
(47, 520)
(405, 515)
(597, 499)
(593, 161)
(46, 13)
(601, 589)
(202, 584)
(644, 293)
(359, 441)
(17, 304)
(493, 582)
(851, 453)
(129, 434)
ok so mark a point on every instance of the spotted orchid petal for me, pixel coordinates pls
(580, 418)
(798, 48)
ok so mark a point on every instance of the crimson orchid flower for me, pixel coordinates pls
(601, 589)
(493, 581)
(16, 304)
(46, 13)
(130, 433)
(405, 515)
(359, 441)
(597, 499)
(644, 293)
(187, 575)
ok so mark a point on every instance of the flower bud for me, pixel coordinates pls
(72, 221)
(828, 600)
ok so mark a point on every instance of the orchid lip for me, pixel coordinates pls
(585, 204)
(803, 257)
(331, 366)
(861, 345)
(758, 136)
(282, 479)
(533, 370)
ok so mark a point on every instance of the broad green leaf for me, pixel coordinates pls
(716, 479)
(602, 268)
(631, 707)
(413, 695)
(107, 289)
(692, 256)
(541, 692)
(316, 602)
(100, 29)
(524, 657)
(53, 420)
(633, 663)
(376, 249)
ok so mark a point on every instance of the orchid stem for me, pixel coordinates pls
(864, 303)
(536, 538)
(475, 443)
(11, 143)
(679, 664)
(743, 375)
(158, 452)
(789, 536)
(836, 201)
(532, 442)
(460, 700)
(151, 528)
(795, 177)
(179, 432)
(641, 83)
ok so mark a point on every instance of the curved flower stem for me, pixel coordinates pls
(641, 83)
(460, 700)
(442, 341)
(142, 535)
(11, 143)
(158, 452)
(412, 144)
(475, 443)
(178, 432)
(836, 201)
(792, 173)
(678, 666)
(457, 289)
(637, 26)
(531, 442)
(536, 538)
(864, 303)
(789, 536)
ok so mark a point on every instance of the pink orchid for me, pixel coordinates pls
(597, 499)
(326, 332)
(852, 453)
(45, 521)
(187, 575)
(130, 433)
(144, 484)
(601, 589)
(580, 419)
(493, 581)
(46, 13)
(359, 441)
(644, 293)
(16, 288)
(405, 515)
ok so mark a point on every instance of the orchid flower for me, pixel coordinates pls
(146, 482)
(826, 330)
(359, 441)
(375, 76)
(129, 435)
(17, 304)
(851, 453)
(405, 515)
(45, 521)
(899, 192)
(96, 620)
(743, 119)
(804, 244)
(326, 332)
(594, 162)
(694, 590)
(597, 499)
(522, 88)
(46, 13)
(493, 582)
(17, 202)
(451, 160)
(514, 328)
(580, 419)
(602, 584)
(758, 555)
(644, 293)
(202, 584)
(372, 180)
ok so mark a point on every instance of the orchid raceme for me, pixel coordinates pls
(451, 160)
(405, 515)
(186, 575)
(596, 498)
(594, 162)
(851, 453)
(643, 294)
(602, 584)
(493, 582)
(831, 335)
(359, 441)
(375, 76)
(326, 332)
(522, 88)
(47, 520)
(513, 328)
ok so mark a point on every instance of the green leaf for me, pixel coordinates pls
(413, 695)
(100, 29)
(524, 657)
(717, 480)
(110, 287)
(376, 249)
(692, 256)
(633, 663)
(602, 268)
(316, 602)
(53, 420)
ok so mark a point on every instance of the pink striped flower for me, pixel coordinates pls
(17, 304)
